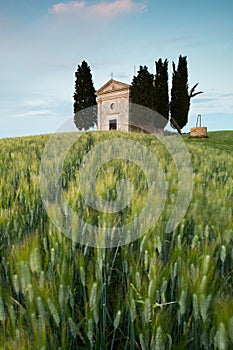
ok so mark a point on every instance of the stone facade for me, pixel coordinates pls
(113, 106)
(115, 112)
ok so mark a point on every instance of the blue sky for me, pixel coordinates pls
(42, 43)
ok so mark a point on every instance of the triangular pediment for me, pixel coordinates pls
(111, 86)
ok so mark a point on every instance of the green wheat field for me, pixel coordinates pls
(162, 291)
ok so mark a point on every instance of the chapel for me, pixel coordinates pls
(113, 106)
(116, 112)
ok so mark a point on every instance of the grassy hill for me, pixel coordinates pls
(222, 140)
(162, 291)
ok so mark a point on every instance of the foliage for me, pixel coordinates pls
(180, 96)
(142, 89)
(179, 105)
(163, 291)
(84, 97)
(161, 88)
(144, 92)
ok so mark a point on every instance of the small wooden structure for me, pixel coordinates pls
(198, 131)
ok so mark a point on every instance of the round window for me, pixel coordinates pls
(112, 105)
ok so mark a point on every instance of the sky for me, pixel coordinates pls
(43, 42)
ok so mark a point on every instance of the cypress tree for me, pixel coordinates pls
(180, 96)
(179, 105)
(142, 89)
(151, 92)
(84, 97)
(161, 89)
(142, 93)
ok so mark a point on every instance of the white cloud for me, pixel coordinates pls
(104, 8)
(41, 112)
(34, 103)
(69, 7)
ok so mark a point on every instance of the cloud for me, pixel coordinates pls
(227, 95)
(41, 112)
(69, 7)
(103, 8)
(204, 100)
(34, 103)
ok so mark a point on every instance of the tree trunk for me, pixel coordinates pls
(175, 125)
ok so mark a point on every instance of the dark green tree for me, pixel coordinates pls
(84, 97)
(142, 88)
(142, 93)
(180, 96)
(161, 89)
(151, 92)
(179, 105)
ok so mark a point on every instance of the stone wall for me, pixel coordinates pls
(114, 108)
(200, 131)
(113, 103)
